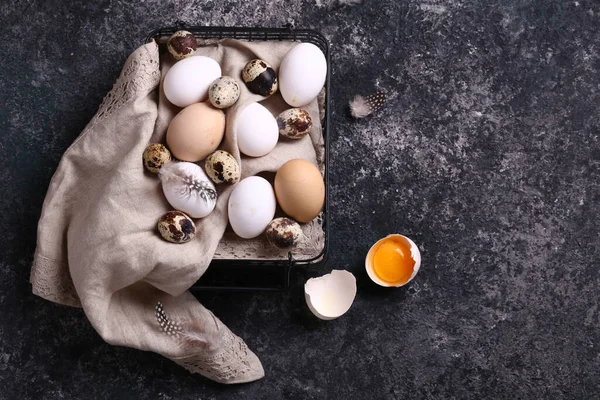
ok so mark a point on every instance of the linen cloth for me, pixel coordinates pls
(97, 245)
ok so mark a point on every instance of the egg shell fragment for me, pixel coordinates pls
(331, 295)
(188, 80)
(414, 251)
(251, 206)
(257, 131)
(302, 74)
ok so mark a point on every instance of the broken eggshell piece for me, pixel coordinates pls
(331, 295)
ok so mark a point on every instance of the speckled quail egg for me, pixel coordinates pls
(283, 233)
(182, 44)
(224, 92)
(222, 167)
(176, 227)
(260, 77)
(155, 156)
(294, 123)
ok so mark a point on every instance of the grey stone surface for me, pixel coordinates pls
(487, 155)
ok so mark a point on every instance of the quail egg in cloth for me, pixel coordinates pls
(103, 208)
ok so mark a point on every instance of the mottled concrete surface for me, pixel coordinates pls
(487, 155)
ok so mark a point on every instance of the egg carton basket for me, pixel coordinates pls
(263, 274)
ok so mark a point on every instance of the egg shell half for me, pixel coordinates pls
(257, 130)
(414, 251)
(330, 296)
(188, 80)
(302, 74)
(196, 132)
(251, 206)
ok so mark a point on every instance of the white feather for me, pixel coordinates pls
(171, 173)
(359, 108)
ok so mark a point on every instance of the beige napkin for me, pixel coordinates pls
(98, 247)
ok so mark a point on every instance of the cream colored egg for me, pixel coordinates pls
(196, 132)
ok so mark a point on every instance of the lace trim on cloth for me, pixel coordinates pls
(232, 362)
(140, 74)
(232, 246)
(50, 280)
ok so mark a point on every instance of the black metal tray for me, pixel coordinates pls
(268, 274)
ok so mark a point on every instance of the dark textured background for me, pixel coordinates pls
(487, 156)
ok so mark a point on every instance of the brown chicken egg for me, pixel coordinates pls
(196, 132)
(300, 189)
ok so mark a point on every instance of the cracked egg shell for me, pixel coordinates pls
(224, 92)
(155, 156)
(294, 123)
(176, 227)
(260, 77)
(222, 167)
(182, 44)
(393, 261)
(283, 233)
(330, 296)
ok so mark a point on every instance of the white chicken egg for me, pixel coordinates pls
(251, 206)
(188, 189)
(257, 130)
(188, 80)
(331, 295)
(302, 74)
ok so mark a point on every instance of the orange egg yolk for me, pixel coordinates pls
(392, 261)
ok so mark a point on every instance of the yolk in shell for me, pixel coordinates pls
(392, 260)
